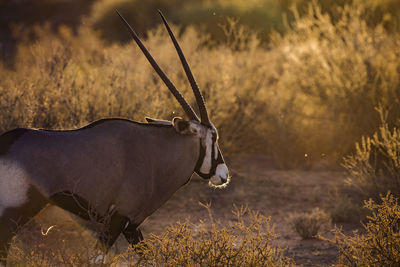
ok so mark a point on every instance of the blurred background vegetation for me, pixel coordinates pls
(296, 80)
(307, 83)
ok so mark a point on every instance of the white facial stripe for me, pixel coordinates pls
(207, 164)
(221, 178)
(215, 151)
(13, 185)
(222, 171)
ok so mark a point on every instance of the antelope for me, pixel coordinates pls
(114, 167)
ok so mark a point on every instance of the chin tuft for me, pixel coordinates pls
(217, 182)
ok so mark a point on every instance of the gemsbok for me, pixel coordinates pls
(114, 167)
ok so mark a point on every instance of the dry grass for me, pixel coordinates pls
(307, 97)
(378, 244)
(345, 205)
(309, 224)
(374, 168)
(61, 244)
(243, 241)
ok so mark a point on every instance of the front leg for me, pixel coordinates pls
(132, 234)
(113, 222)
(113, 229)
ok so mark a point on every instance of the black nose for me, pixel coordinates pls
(227, 178)
(224, 180)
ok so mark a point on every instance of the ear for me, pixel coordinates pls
(159, 122)
(181, 126)
(185, 127)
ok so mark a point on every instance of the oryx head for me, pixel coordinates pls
(210, 164)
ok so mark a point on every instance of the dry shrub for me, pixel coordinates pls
(143, 14)
(344, 205)
(58, 238)
(378, 244)
(309, 224)
(261, 16)
(66, 80)
(57, 257)
(332, 75)
(245, 241)
(374, 168)
(58, 245)
(308, 96)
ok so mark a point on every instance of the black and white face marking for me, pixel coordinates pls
(211, 164)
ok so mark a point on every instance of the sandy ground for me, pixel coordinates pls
(275, 193)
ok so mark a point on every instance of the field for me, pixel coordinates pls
(305, 96)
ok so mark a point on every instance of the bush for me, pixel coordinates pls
(333, 75)
(61, 244)
(379, 242)
(307, 97)
(245, 241)
(308, 225)
(65, 81)
(345, 205)
(140, 14)
(261, 16)
(374, 168)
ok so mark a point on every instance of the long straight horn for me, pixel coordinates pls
(199, 98)
(186, 107)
